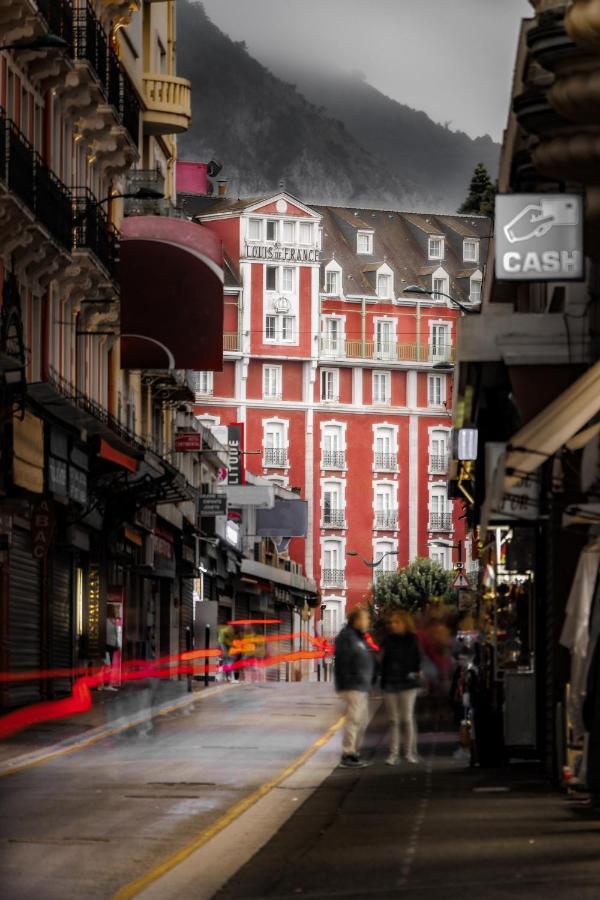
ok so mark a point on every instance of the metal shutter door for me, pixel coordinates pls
(24, 618)
(285, 614)
(61, 632)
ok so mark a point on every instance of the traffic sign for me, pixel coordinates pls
(460, 581)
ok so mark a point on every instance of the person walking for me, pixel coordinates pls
(400, 682)
(354, 669)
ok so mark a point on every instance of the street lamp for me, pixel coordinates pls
(141, 194)
(417, 289)
(372, 564)
(459, 547)
(41, 42)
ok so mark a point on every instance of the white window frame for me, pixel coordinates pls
(390, 563)
(441, 554)
(440, 351)
(271, 318)
(443, 434)
(329, 345)
(384, 349)
(386, 377)
(334, 427)
(474, 242)
(336, 292)
(435, 238)
(476, 277)
(335, 608)
(287, 224)
(385, 272)
(328, 543)
(431, 393)
(438, 291)
(272, 382)
(367, 236)
(277, 270)
(284, 273)
(254, 221)
(274, 222)
(302, 226)
(290, 321)
(380, 430)
(205, 384)
(280, 426)
(332, 376)
(335, 486)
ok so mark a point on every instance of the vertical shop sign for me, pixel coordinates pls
(42, 528)
(235, 453)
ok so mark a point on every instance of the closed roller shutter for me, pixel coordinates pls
(187, 611)
(24, 618)
(285, 646)
(61, 631)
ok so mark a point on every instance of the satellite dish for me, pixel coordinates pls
(213, 169)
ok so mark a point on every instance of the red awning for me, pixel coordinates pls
(171, 295)
(117, 456)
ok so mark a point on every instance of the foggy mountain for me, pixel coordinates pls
(265, 132)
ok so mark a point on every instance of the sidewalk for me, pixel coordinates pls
(133, 706)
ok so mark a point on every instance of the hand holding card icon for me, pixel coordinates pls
(535, 220)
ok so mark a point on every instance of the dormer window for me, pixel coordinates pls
(475, 293)
(364, 242)
(470, 250)
(254, 229)
(384, 286)
(272, 230)
(436, 248)
(332, 282)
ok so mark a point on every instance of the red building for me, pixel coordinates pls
(344, 380)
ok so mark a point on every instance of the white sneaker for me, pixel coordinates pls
(412, 759)
(392, 760)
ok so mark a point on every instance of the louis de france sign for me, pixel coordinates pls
(539, 237)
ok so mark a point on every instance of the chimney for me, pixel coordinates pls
(222, 188)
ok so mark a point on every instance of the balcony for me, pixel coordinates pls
(91, 46)
(333, 459)
(385, 462)
(332, 578)
(168, 104)
(334, 518)
(438, 464)
(143, 179)
(440, 522)
(387, 351)
(275, 458)
(386, 519)
(93, 233)
(231, 342)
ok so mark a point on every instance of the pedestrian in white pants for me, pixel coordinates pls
(400, 678)
(354, 671)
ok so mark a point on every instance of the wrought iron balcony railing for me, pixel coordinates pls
(385, 462)
(129, 107)
(386, 519)
(333, 459)
(25, 174)
(137, 179)
(438, 463)
(59, 18)
(94, 232)
(332, 577)
(334, 518)
(440, 522)
(91, 44)
(276, 457)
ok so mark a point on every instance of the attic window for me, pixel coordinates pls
(436, 248)
(470, 250)
(364, 242)
(384, 286)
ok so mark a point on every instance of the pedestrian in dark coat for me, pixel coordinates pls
(401, 661)
(354, 671)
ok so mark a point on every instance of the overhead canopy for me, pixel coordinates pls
(554, 426)
(171, 295)
(288, 518)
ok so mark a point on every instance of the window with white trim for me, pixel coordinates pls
(272, 376)
(288, 328)
(384, 551)
(436, 390)
(332, 282)
(438, 451)
(204, 383)
(364, 242)
(440, 287)
(305, 233)
(332, 336)
(333, 563)
(275, 451)
(272, 230)
(435, 248)
(386, 512)
(289, 232)
(287, 279)
(270, 328)
(385, 449)
(475, 293)
(254, 229)
(470, 250)
(441, 555)
(330, 384)
(381, 387)
(271, 277)
(385, 344)
(384, 286)
(331, 618)
(439, 342)
(333, 454)
(439, 510)
(333, 506)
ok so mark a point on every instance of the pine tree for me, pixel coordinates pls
(412, 587)
(482, 191)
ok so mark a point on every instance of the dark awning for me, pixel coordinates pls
(171, 274)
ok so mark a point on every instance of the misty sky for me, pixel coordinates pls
(451, 58)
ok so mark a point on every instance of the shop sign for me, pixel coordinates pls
(188, 441)
(42, 528)
(28, 453)
(212, 505)
(539, 237)
(78, 485)
(163, 545)
(57, 476)
(235, 459)
(278, 253)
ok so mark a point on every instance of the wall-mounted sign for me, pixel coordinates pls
(235, 448)
(188, 441)
(42, 528)
(78, 485)
(277, 253)
(212, 505)
(539, 237)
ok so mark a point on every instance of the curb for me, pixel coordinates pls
(93, 735)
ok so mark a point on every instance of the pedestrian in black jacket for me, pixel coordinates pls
(354, 670)
(400, 682)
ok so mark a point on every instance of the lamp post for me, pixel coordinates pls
(372, 564)
(140, 194)
(417, 289)
(458, 546)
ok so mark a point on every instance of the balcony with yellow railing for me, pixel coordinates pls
(168, 102)
(231, 342)
(387, 351)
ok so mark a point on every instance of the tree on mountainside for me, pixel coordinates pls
(413, 587)
(482, 191)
